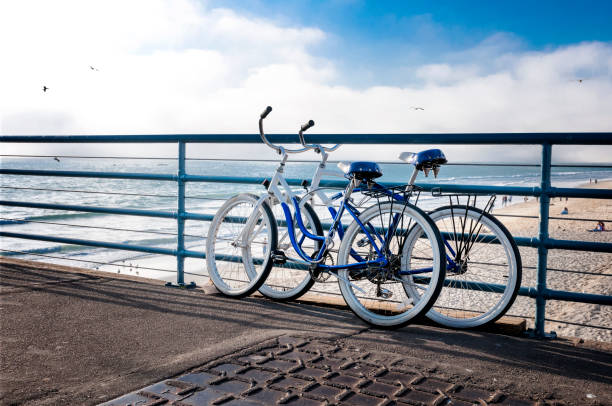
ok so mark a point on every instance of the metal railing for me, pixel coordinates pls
(545, 191)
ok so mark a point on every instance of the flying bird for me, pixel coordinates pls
(45, 88)
(57, 159)
(417, 108)
(94, 69)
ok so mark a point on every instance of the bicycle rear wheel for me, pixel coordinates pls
(378, 295)
(484, 276)
(291, 280)
(238, 248)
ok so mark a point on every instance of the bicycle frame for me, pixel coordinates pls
(279, 189)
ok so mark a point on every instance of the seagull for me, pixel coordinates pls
(95, 69)
(417, 108)
(57, 159)
(45, 88)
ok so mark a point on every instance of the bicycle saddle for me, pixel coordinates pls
(361, 170)
(425, 159)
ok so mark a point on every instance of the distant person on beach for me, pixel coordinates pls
(600, 226)
(595, 181)
(565, 211)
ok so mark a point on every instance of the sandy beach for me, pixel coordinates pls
(564, 266)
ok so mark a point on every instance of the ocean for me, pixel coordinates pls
(203, 198)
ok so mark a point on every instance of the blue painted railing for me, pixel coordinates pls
(545, 191)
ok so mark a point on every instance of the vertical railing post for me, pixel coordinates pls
(180, 243)
(543, 237)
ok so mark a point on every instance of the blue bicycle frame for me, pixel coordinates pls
(370, 232)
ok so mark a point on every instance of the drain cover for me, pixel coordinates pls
(301, 371)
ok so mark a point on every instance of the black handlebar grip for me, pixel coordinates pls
(306, 126)
(266, 112)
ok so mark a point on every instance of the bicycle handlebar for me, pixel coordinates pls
(305, 127)
(266, 112)
(316, 147)
(275, 147)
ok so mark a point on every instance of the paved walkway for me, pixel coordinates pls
(70, 336)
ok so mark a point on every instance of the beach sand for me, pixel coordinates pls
(564, 266)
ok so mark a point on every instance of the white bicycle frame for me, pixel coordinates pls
(280, 190)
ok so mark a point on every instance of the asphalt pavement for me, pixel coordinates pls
(73, 336)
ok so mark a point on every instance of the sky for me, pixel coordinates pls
(196, 66)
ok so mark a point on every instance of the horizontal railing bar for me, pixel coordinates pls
(109, 193)
(571, 271)
(530, 138)
(199, 217)
(87, 191)
(553, 218)
(578, 245)
(525, 316)
(524, 291)
(88, 174)
(522, 241)
(578, 192)
(577, 297)
(90, 157)
(508, 190)
(568, 245)
(450, 188)
(519, 191)
(577, 165)
(566, 296)
(89, 261)
(90, 209)
(9, 221)
(90, 243)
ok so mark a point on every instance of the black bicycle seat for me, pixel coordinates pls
(424, 159)
(361, 170)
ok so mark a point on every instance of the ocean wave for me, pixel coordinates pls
(154, 242)
(566, 173)
(66, 248)
(64, 216)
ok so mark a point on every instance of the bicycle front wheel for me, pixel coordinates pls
(292, 279)
(483, 273)
(377, 295)
(240, 240)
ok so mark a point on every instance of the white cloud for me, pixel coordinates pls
(178, 66)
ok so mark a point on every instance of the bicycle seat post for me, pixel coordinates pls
(410, 184)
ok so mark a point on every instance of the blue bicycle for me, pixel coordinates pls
(389, 249)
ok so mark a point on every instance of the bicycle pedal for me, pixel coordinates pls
(384, 293)
(278, 257)
(363, 242)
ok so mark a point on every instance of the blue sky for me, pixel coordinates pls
(539, 23)
(377, 36)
